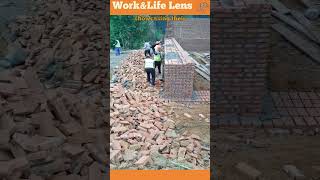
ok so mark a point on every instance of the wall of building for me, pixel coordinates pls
(241, 49)
(193, 34)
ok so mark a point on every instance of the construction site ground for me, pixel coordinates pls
(195, 125)
(266, 150)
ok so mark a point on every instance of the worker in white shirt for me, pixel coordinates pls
(117, 47)
(149, 68)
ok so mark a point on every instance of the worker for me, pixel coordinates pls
(149, 67)
(147, 49)
(117, 48)
(158, 56)
(153, 47)
(157, 61)
(157, 47)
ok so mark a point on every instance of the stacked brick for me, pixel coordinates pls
(240, 43)
(178, 71)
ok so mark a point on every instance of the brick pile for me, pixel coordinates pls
(240, 43)
(178, 71)
(52, 100)
(142, 135)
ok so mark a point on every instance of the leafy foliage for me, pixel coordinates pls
(132, 34)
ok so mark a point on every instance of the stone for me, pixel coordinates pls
(143, 161)
(98, 153)
(95, 172)
(60, 110)
(36, 143)
(16, 56)
(187, 115)
(181, 153)
(49, 169)
(72, 149)
(312, 13)
(171, 133)
(116, 145)
(91, 75)
(129, 155)
(293, 172)
(248, 170)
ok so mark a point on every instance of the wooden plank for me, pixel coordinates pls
(307, 24)
(204, 69)
(307, 3)
(303, 44)
(281, 8)
(198, 56)
(294, 24)
(203, 74)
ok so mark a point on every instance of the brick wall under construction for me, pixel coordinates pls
(178, 71)
(241, 49)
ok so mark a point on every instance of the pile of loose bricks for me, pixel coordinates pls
(241, 48)
(143, 136)
(179, 71)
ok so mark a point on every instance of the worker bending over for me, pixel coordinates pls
(147, 49)
(149, 67)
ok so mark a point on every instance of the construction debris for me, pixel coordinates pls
(51, 94)
(141, 133)
(293, 172)
(248, 170)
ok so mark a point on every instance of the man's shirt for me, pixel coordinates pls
(148, 63)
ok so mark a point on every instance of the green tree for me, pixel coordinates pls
(131, 33)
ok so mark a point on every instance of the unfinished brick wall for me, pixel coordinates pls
(178, 71)
(193, 34)
(241, 48)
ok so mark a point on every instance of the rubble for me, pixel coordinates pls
(52, 94)
(293, 172)
(248, 170)
(142, 133)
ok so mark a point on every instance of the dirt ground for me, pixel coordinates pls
(201, 84)
(196, 124)
(264, 151)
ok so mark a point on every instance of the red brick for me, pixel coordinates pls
(143, 160)
(288, 103)
(313, 111)
(310, 121)
(288, 122)
(283, 111)
(307, 103)
(278, 123)
(293, 111)
(297, 103)
(301, 111)
(284, 96)
(299, 121)
(313, 95)
(304, 95)
(317, 119)
(294, 95)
